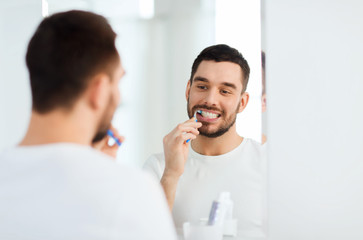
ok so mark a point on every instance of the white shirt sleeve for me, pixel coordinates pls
(155, 165)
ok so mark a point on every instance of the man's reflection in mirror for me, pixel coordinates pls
(263, 99)
(215, 159)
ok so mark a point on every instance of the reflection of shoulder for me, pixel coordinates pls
(156, 158)
(252, 144)
(253, 147)
(155, 165)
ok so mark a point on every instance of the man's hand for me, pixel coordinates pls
(107, 149)
(176, 154)
(176, 147)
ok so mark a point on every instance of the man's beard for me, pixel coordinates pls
(227, 123)
(105, 124)
(101, 134)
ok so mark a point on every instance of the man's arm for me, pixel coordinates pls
(176, 153)
(169, 184)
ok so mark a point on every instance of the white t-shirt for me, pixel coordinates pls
(242, 172)
(69, 191)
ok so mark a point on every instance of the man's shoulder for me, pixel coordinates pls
(255, 151)
(155, 160)
(155, 165)
(159, 157)
(71, 160)
(89, 179)
(252, 144)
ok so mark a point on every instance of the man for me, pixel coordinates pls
(54, 185)
(193, 173)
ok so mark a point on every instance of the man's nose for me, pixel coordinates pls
(211, 97)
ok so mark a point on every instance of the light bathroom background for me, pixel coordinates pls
(158, 41)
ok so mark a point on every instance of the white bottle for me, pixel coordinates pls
(218, 211)
(230, 224)
(229, 205)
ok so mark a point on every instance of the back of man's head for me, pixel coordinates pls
(66, 50)
(223, 53)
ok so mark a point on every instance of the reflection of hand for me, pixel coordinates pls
(176, 147)
(107, 149)
(176, 153)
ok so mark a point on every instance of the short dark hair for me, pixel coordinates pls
(223, 53)
(66, 50)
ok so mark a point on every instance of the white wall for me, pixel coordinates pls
(238, 24)
(18, 20)
(315, 134)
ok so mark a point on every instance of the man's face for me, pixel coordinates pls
(216, 90)
(114, 101)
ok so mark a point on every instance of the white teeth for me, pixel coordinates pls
(209, 114)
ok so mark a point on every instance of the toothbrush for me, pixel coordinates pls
(195, 116)
(110, 133)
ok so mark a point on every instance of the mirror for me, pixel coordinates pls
(158, 41)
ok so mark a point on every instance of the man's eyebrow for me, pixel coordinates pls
(200, 79)
(231, 85)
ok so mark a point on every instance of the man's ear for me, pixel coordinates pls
(187, 90)
(244, 100)
(98, 91)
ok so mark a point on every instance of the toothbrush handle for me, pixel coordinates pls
(189, 138)
(110, 133)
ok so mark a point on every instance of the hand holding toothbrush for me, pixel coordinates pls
(176, 148)
(176, 145)
(195, 117)
(103, 145)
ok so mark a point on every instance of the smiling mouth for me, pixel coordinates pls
(207, 114)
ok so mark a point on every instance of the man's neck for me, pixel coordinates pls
(57, 126)
(219, 145)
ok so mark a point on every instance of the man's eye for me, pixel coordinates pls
(225, 92)
(201, 87)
